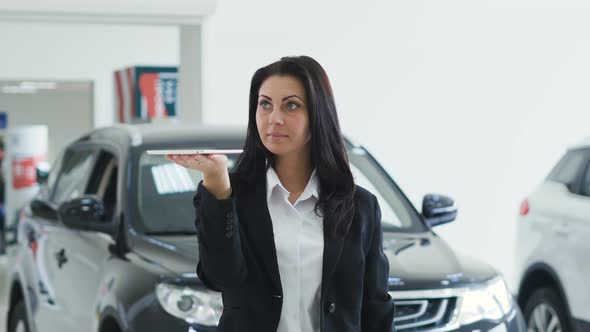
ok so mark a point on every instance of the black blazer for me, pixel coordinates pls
(237, 257)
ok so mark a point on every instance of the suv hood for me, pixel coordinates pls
(416, 261)
(176, 254)
(425, 261)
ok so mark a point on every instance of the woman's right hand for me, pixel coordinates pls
(213, 167)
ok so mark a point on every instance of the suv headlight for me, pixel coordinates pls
(203, 307)
(491, 301)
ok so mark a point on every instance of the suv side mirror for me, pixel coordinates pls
(43, 209)
(438, 209)
(86, 213)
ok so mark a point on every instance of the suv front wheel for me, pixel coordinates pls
(545, 312)
(18, 318)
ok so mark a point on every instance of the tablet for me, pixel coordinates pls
(194, 151)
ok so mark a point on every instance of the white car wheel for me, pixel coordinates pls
(545, 311)
(544, 319)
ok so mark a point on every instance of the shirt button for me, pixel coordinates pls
(332, 308)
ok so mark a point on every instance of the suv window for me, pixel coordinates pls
(585, 186)
(568, 169)
(396, 213)
(54, 172)
(73, 175)
(165, 192)
(103, 182)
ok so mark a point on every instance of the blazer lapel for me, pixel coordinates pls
(258, 224)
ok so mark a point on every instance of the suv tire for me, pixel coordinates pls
(546, 301)
(18, 318)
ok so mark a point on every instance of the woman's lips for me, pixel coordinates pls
(277, 137)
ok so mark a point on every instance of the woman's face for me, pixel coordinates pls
(281, 116)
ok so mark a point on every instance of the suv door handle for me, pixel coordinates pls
(61, 258)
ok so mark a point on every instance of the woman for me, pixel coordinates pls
(288, 239)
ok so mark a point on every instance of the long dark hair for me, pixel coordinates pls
(328, 152)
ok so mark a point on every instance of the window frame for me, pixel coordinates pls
(575, 186)
(585, 174)
(105, 147)
(95, 146)
(418, 226)
(75, 148)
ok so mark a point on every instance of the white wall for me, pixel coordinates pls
(84, 52)
(475, 99)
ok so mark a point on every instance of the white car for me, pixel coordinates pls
(553, 247)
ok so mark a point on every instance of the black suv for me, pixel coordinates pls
(109, 245)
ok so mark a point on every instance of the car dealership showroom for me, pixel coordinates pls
(295, 166)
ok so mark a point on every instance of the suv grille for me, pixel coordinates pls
(414, 315)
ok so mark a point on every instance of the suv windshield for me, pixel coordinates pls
(165, 193)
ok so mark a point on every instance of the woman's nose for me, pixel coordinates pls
(275, 117)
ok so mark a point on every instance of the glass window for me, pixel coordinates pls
(73, 175)
(166, 190)
(568, 168)
(165, 194)
(103, 182)
(387, 214)
(54, 171)
(396, 212)
(585, 187)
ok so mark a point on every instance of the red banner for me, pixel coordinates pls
(24, 173)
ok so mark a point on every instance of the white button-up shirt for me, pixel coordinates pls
(299, 241)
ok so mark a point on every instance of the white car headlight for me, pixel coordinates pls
(203, 307)
(491, 301)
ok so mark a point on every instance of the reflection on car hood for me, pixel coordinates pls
(178, 254)
(425, 261)
(416, 261)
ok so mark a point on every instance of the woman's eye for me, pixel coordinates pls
(292, 106)
(264, 104)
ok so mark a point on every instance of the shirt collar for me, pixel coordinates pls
(273, 181)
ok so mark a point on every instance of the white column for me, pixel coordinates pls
(25, 147)
(190, 90)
